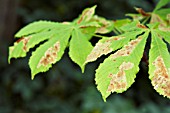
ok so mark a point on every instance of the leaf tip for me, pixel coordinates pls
(32, 76)
(82, 68)
(104, 99)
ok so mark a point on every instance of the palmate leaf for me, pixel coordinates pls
(118, 71)
(159, 64)
(32, 35)
(49, 53)
(56, 38)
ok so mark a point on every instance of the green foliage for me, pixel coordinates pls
(118, 72)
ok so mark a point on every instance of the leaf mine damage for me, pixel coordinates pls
(161, 79)
(86, 15)
(50, 55)
(101, 49)
(127, 49)
(118, 80)
(25, 41)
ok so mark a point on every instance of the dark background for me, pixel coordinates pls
(64, 89)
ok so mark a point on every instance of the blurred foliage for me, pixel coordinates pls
(64, 89)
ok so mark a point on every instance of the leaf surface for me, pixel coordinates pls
(164, 34)
(159, 65)
(36, 27)
(80, 47)
(49, 53)
(107, 45)
(32, 37)
(118, 71)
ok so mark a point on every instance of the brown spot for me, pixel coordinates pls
(127, 48)
(142, 12)
(50, 55)
(156, 18)
(25, 41)
(161, 79)
(118, 80)
(141, 26)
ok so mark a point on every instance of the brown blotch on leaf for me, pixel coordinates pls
(141, 26)
(50, 55)
(86, 15)
(102, 49)
(98, 50)
(142, 12)
(156, 18)
(161, 79)
(127, 49)
(118, 80)
(25, 41)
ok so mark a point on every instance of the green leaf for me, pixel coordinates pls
(164, 34)
(80, 47)
(122, 22)
(49, 53)
(159, 65)
(118, 71)
(119, 23)
(32, 37)
(107, 45)
(35, 27)
(89, 32)
(160, 4)
(163, 13)
(55, 37)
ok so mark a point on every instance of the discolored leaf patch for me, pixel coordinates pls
(86, 14)
(25, 41)
(127, 49)
(102, 48)
(118, 80)
(157, 19)
(50, 55)
(161, 79)
(142, 12)
(118, 71)
(141, 26)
